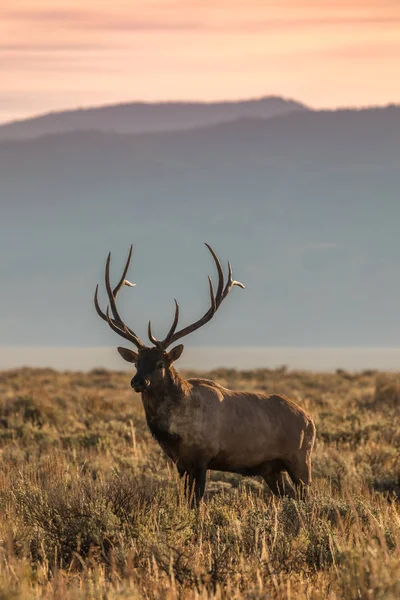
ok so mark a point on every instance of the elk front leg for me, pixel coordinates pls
(195, 483)
(198, 476)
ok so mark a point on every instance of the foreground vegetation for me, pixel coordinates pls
(90, 508)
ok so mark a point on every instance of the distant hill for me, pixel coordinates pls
(138, 117)
(305, 205)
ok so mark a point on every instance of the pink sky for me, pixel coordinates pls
(70, 53)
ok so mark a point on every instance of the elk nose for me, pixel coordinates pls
(139, 383)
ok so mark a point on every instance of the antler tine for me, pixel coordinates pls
(110, 292)
(190, 328)
(213, 306)
(230, 283)
(216, 300)
(175, 321)
(153, 339)
(220, 275)
(99, 311)
(117, 323)
(123, 331)
(97, 306)
(165, 342)
(123, 281)
(172, 337)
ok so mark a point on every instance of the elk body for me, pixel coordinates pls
(200, 424)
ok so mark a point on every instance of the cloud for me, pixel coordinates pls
(365, 51)
(82, 19)
(58, 63)
(315, 22)
(12, 100)
(227, 17)
(347, 5)
(138, 26)
(22, 47)
(46, 15)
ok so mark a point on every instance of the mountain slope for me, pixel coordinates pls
(305, 206)
(141, 117)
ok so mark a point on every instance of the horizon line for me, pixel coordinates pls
(206, 358)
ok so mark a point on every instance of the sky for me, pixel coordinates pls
(76, 53)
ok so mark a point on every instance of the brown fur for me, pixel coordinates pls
(201, 425)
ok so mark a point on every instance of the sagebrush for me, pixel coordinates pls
(90, 507)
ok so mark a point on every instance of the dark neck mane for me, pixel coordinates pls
(174, 387)
(178, 383)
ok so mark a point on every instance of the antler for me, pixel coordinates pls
(216, 300)
(116, 323)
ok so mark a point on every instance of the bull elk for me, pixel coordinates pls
(202, 425)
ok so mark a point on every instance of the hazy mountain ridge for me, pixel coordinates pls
(327, 128)
(138, 117)
(305, 206)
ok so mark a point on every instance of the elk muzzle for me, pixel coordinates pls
(139, 383)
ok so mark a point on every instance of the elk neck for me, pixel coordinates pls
(170, 394)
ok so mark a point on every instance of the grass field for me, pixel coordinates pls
(90, 508)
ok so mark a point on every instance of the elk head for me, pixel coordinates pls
(154, 363)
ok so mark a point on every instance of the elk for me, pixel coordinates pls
(202, 425)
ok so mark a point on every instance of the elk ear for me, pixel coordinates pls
(128, 355)
(175, 353)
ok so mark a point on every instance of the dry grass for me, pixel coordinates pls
(90, 508)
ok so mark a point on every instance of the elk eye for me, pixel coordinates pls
(160, 365)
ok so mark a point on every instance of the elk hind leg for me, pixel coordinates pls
(280, 485)
(300, 474)
(277, 479)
